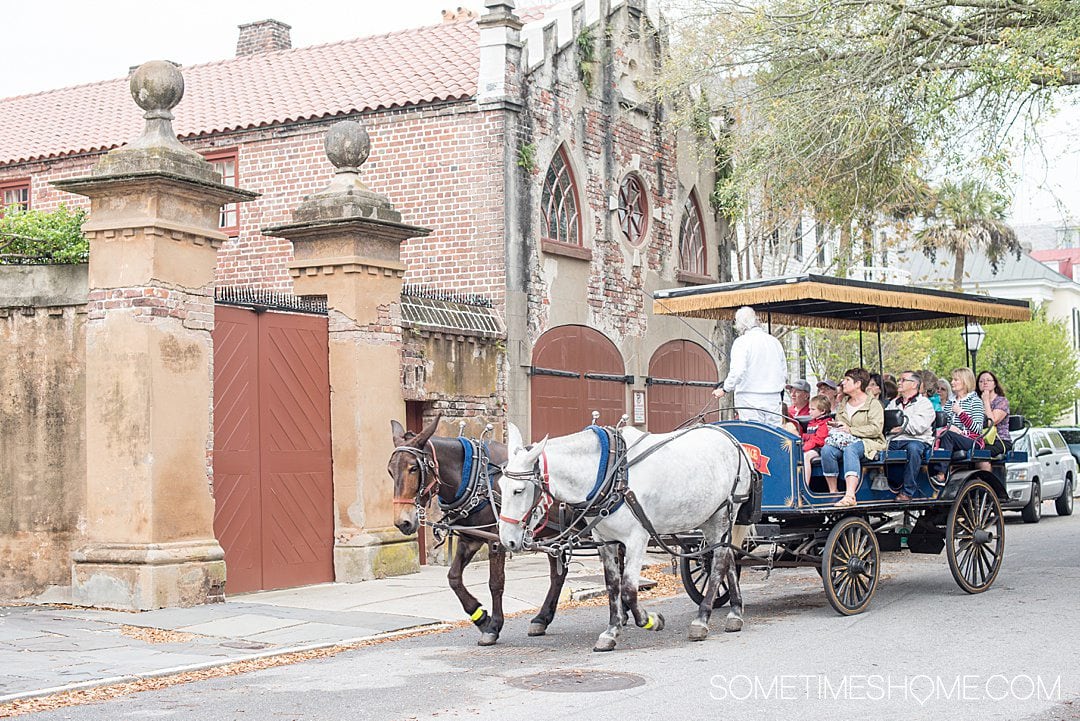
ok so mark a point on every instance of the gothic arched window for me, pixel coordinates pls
(692, 239)
(559, 204)
(633, 208)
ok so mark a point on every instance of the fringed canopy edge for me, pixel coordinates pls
(945, 309)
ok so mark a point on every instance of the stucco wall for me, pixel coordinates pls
(42, 425)
(608, 130)
(456, 376)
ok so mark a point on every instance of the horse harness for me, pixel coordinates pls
(475, 490)
(611, 490)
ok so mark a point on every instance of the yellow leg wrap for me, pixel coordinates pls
(477, 614)
(649, 624)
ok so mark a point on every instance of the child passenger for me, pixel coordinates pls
(817, 430)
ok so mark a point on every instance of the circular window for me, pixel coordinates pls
(633, 208)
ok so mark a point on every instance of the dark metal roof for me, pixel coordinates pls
(828, 302)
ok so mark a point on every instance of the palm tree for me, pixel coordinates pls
(967, 216)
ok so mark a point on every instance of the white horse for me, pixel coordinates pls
(687, 484)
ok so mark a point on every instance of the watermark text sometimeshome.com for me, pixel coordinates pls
(920, 688)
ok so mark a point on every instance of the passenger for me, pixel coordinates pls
(930, 389)
(787, 423)
(817, 430)
(828, 388)
(916, 434)
(996, 407)
(966, 416)
(889, 390)
(873, 388)
(944, 393)
(758, 371)
(799, 391)
(858, 430)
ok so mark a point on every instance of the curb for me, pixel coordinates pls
(175, 670)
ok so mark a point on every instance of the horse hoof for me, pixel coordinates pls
(537, 629)
(733, 624)
(657, 622)
(487, 639)
(698, 631)
(604, 643)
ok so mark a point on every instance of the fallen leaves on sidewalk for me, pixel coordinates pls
(100, 694)
(156, 635)
(667, 585)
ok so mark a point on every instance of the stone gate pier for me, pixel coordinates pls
(153, 233)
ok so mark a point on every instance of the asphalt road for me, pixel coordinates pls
(923, 650)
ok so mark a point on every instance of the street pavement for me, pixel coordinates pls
(923, 650)
(49, 648)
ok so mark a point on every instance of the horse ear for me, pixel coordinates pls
(533, 453)
(513, 440)
(398, 432)
(429, 430)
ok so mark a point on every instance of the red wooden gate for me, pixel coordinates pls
(575, 371)
(682, 376)
(273, 484)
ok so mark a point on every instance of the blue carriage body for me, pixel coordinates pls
(786, 490)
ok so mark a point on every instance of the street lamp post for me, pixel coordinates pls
(973, 335)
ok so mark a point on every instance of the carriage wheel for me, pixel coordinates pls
(695, 574)
(850, 565)
(975, 537)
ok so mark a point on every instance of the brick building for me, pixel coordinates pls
(556, 196)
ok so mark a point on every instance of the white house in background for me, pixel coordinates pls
(1025, 279)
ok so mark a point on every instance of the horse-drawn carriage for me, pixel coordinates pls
(682, 491)
(798, 523)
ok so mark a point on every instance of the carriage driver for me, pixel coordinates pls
(757, 371)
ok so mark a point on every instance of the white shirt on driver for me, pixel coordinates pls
(757, 364)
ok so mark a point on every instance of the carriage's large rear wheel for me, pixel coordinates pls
(975, 537)
(695, 575)
(850, 565)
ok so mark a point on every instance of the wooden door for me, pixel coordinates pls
(272, 454)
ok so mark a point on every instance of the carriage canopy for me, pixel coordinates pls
(822, 301)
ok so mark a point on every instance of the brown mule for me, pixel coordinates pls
(433, 468)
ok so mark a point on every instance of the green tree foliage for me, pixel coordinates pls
(1037, 365)
(38, 236)
(830, 352)
(843, 106)
(965, 216)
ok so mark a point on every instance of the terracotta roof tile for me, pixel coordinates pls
(409, 67)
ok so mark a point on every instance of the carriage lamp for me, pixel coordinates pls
(973, 335)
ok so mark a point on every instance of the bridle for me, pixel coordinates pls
(429, 467)
(540, 481)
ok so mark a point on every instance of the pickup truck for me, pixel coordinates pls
(1050, 473)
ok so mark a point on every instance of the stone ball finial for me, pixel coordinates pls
(157, 87)
(347, 145)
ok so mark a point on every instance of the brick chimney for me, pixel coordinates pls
(264, 36)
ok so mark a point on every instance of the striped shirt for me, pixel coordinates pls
(971, 416)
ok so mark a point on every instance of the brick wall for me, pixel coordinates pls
(439, 165)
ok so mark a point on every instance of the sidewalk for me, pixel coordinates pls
(47, 649)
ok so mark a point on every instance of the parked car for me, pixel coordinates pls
(1050, 473)
(1072, 437)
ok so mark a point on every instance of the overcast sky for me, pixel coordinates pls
(56, 43)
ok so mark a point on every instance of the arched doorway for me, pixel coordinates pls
(576, 370)
(682, 376)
